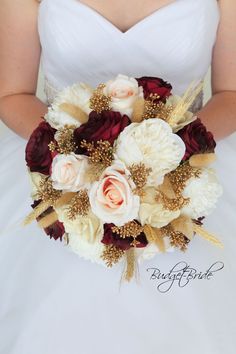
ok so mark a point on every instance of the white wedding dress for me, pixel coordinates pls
(52, 301)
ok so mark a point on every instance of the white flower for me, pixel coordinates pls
(124, 91)
(186, 119)
(203, 192)
(58, 119)
(69, 172)
(111, 198)
(78, 95)
(85, 234)
(35, 179)
(152, 213)
(152, 143)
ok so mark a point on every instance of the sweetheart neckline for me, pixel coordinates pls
(134, 26)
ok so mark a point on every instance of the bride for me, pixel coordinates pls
(51, 301)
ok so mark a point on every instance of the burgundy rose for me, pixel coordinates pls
(56, 230)
(155, 85)
(104, 126)
(197, 139)
(112, 238)
(37, 154)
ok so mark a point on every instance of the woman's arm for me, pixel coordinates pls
(219, 114)
(20, 52)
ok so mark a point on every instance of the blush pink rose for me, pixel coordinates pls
(112, 199)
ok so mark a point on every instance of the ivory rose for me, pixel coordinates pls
(124, 91)
(111, 198)
(69, 172)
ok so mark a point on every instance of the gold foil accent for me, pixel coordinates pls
(75, 111)
(154, 235)
(38, 210)
(184, 225)
(48, 220)
(138, 109)
(202, 160)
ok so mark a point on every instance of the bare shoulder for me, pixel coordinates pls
(20, 46)
(224, 54)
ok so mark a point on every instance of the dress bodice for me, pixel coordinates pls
(79, 44)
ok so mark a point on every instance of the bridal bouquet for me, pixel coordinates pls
(122, 171)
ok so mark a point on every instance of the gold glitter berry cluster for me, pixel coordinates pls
(139, 174)
(100, 102)
(79, 205)
(154, 109)
(46, 192)
(101, 154)
(130, 229)
(65, 142)
(112, 254)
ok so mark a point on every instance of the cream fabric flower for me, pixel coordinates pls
(153, 143)
(85, 234)
(111, 198)
(79, 95)
(69, 172)
(152, 213)
(203, 192)
(124, 92)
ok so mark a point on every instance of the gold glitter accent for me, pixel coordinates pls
(181, 175)
(101, 154)
(79, 205)
(163, 111)
(65, 141)
(46, 192)
(111, 255)
(172, 204)
(52, 146)
(130, 229)
(100, 102)
(139, 174)
(177, 238)
(153, 109)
